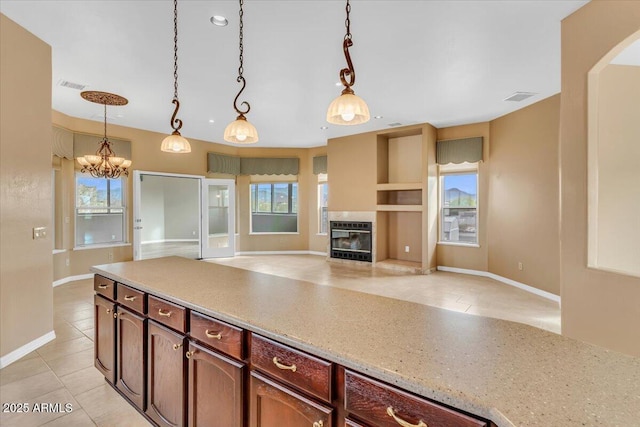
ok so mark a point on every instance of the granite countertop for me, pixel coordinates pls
(509, 373)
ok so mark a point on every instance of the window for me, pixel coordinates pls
(274, 207)
(323, 199)
(100, 210)
(459, 207)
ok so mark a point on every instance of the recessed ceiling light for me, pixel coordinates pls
(324, 127)
(211, 121)
(519, 96)
(219, 21)
(377, 117)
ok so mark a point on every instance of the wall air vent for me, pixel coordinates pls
(394, 124)
(71, 85)
(520, 96)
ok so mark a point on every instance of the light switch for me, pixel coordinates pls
(39, 233)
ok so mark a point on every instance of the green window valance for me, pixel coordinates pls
(221, 163)
(89, 144)
(459, 150)
(319, 165)
(62, 144)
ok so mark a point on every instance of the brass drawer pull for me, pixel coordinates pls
(291, 368)
(318, 424)
(115, 315)
(103, 286)
(213, 335)
(402, 422)
(164, 313)
(130, 298)
(188, 354)
(177, 346)
(108, 310)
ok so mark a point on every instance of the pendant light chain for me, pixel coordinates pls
(241, 13)
(175, 49)
(240, 78)
(105, 121)
(347, 22)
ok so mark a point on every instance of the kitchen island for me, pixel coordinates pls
(505, 372)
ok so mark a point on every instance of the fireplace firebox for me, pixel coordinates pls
(351, 240)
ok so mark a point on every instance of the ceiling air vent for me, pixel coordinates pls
(394, 124)
(71, 85)
(520, 96)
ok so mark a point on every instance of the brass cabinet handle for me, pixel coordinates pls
(164, 313)
(402, 422)
(291, 368)
(103, 286)
(188, 354)
(130, 298)
(213, 335)
(108, 310)
(115, 315)
(177, 346)
(318, 424)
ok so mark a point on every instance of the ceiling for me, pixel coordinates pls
(442, 62)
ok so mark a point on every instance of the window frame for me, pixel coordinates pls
(123, 208)
(457, 169)
(291, 210)
(322, 181)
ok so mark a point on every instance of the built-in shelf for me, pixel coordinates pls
(400, 208)
(398, 186)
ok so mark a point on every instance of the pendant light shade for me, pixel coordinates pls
(348, 109)
(175, 143)
(241, 131)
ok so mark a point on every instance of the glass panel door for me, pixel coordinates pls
(218, 218)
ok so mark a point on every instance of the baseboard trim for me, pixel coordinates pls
(18, 353)
(530, 289)
(280, 253)
(71, 279)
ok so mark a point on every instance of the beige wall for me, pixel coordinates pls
(459, 256)
(26, 297)
(523, 212)
(598, 307)
(618, 193)
(146, 156)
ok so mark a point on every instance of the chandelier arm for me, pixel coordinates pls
(350, 71)
(176, 123)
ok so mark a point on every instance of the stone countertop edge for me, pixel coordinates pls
(447, 388)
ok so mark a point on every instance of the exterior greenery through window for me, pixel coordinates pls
(274, 207)
(100, 210)
(459, 207)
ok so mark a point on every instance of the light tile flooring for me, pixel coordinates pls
(62, 371)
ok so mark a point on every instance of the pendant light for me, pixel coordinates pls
(175, 143)
(241, 131)
(105, 163)
(348, 109)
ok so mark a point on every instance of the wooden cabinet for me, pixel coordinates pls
(131, 298)
(273, 405)
(218, 335)
(105, 335)
(130, 350)
(105, 287)
(168, 314)
(215, 389)
(166, 376)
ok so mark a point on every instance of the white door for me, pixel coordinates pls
(218, 218)
(137, 217)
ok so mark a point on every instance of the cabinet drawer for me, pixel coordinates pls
(105, 287)
(216, 334)
(131, 298)
(386, 406)
(301, 370)
(168, 313)
(351, 423)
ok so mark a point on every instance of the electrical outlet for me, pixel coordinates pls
(406, 249)
(520, 266)
(193, 233)
(66, 262)
(39, 233)
(110, 256)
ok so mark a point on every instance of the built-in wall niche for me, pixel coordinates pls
(614, 132)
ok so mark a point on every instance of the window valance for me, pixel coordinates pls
(222, 163)
(89, 144)
(62, 144)
(319, 165)
(459, 150)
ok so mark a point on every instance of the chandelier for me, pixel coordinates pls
(105, 163)
(175, 143)
(348, 109)
(241, 131)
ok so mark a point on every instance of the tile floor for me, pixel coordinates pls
(62, 371)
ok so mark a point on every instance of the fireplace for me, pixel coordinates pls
(351, 240)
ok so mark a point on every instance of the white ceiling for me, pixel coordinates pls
(442, 62)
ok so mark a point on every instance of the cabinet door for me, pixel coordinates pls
(105, 337)
(215, 389)
(166, 376)
(130, 355)
(273, 405)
